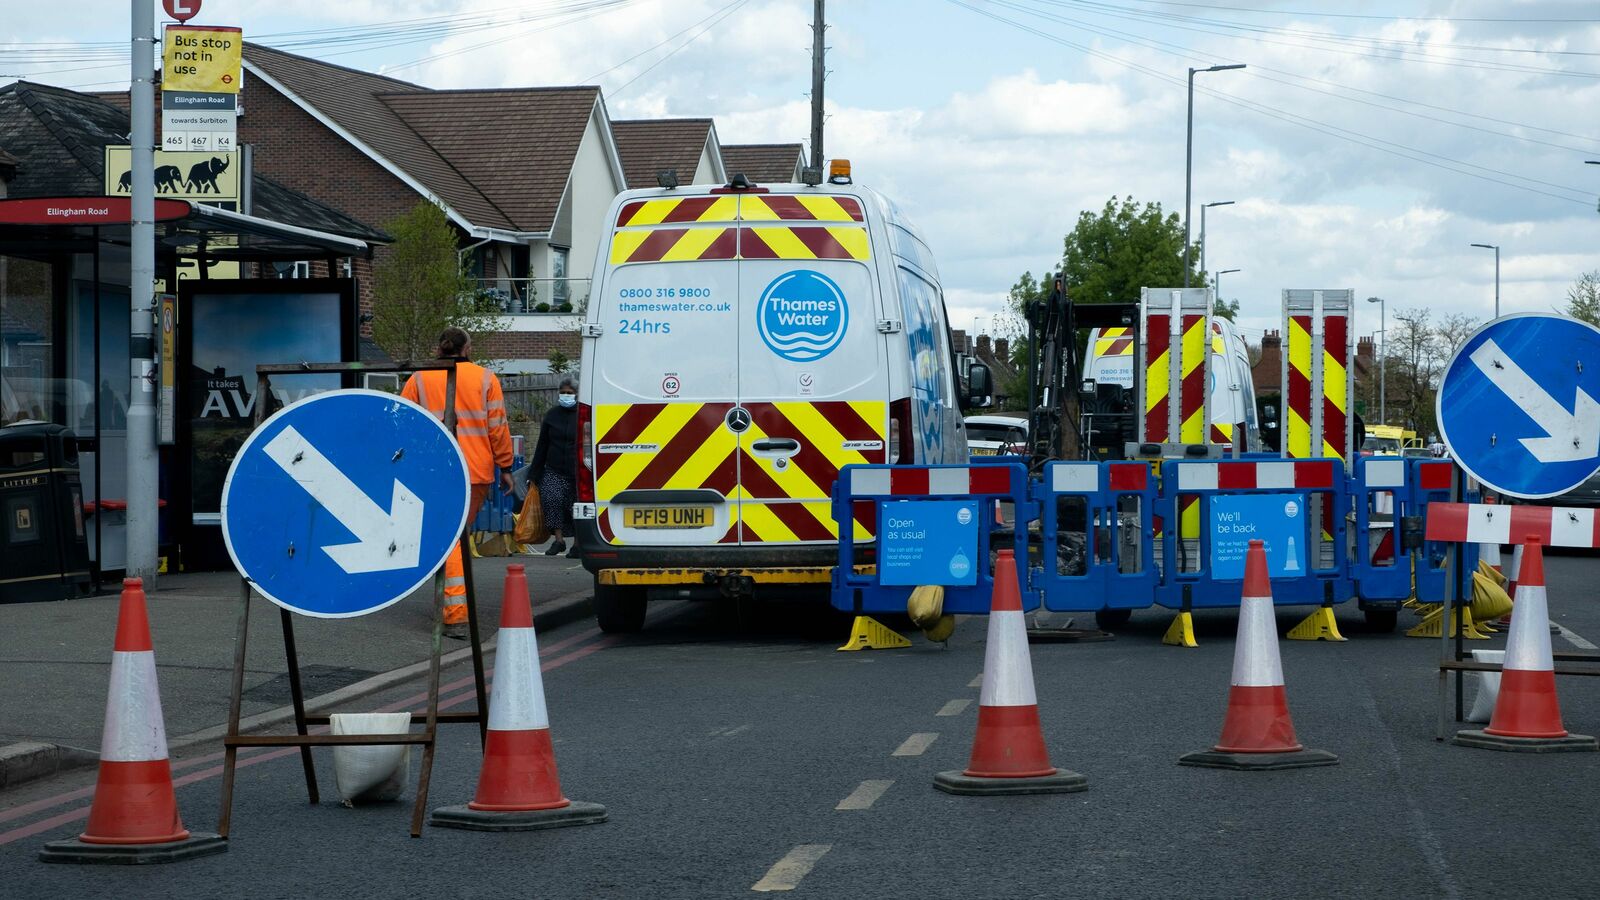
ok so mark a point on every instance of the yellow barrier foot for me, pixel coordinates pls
(868, 633)
(1471, 630)
(1319, 626)
(1181, 632)
(472, 545)
(1428, 627)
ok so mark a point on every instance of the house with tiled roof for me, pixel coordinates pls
(525, 175)
(686, 147)
(765, 163)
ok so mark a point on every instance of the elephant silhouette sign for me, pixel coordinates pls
(168, 180)
(203, 176)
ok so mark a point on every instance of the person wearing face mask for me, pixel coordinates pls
(555, 463)
(485, 441)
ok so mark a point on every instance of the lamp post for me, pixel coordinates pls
(1496, 249)
(1593, 162)
(1220, 281)
(1203, 208)
(1383, 360)
(1188, 162)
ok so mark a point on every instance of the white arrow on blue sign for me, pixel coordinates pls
(1518, 404)
(344, 502)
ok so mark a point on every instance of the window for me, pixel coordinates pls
(558, 274)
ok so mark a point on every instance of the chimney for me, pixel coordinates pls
(958, 340)
(983, 345)
(1002, 349)
(1267, 373)
(1366, 349)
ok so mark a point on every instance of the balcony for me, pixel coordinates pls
(538, 296)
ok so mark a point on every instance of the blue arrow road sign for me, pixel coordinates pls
(1519, 405)
(344, 502)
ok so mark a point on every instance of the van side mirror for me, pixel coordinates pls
(980, 385)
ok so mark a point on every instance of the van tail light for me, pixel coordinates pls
(585, 453)
(902, 449)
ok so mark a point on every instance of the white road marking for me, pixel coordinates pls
(954, 707)
(867, 794)
(977, 681)
(917, 744)
(729, 732)
(1576, 639)
(786, 873)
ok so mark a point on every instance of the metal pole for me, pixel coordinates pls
(818, 26)
(1497, 281)
(143, 468)
(1383, 362)
(1188, 166)
(1203, 208)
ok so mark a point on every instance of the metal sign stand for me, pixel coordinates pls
(302, 737)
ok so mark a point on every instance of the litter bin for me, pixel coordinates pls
(45, 555)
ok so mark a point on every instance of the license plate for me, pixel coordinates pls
(983, 451)
(667, 516)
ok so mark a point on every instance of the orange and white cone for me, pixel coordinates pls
(1511, 583)
(1257, 732)
(134, 815)
(1527, 713)
(1008, 752)
(518, 789)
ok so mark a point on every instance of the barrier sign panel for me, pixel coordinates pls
(928, 542)
(344, 502)
(1279, 520)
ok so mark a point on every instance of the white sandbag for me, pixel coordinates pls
(1488, 686)
(371, 774)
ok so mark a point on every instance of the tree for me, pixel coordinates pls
(1110, 255)
(1227, 309)
(1583, 298)
(419, 288)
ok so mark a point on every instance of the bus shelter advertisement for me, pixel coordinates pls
(229, 335)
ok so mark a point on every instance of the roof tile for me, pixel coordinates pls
(649, 145)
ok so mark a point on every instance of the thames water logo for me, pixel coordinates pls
(802, 315)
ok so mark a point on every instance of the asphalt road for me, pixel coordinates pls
(723, 745)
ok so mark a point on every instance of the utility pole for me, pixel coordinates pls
(143, 469)
(818, 26)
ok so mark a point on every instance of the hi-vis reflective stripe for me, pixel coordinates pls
(1191, 412)
(1221, 432)
(517, 701)
(1487, 523)
(134, 731)
(1113, 342)
(686, 446)
(1301, 396)
(1157, 344)
(1256, 664)
(1008, 671)
(759, 207)
(682, 229)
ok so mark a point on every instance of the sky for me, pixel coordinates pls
(1366, 145)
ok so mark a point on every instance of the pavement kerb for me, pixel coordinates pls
(29, 760)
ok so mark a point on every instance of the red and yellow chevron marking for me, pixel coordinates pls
(1192, 412)
(1335, 404)
(805, 207)
(1297, 405)
(1113, 342)
(1157, 360)
(674, 210)
(797, 242)
(685, 446)
(673, 245)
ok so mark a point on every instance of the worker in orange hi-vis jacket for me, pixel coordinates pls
(485, 442)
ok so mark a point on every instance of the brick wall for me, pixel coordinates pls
(532, 344)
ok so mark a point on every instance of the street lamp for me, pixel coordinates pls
(1496, 249)
(1203, 208)
(1188, 162)
(1219, 278)
(1383, 360)
(1593, 162)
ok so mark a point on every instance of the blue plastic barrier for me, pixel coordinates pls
(1428, 481)
(1381, 494)
(866, 493)
(1096, 525)
(1300, 481)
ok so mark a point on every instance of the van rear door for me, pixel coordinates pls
(813, 367)
(666, 374)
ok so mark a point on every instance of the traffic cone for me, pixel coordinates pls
(1527, 714)
(1257, 732)
(517, 787)
(134, 816)
(1008, 752)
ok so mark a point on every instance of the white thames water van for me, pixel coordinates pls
(742, 344)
